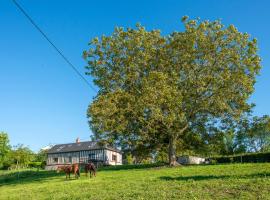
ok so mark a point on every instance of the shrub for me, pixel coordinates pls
(213, 161)
(43, 164)
(35, 164)
(129, 159)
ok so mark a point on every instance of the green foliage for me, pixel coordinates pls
(230, 181)
(35, 164)
(41, 156)
(4, 149)
(129, 159)
(21, 156)
(162, 156)
(258, 134)
(213, 161)
(135, 166)
(154, 88)
(250, 134)
(230, 136)
(244, 158)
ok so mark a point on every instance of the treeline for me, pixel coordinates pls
(223, 140)
(248, 134)
(19, 156)
(243, 140)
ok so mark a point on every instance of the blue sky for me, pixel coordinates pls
(42, 101)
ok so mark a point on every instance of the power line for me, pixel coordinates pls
(53, 45)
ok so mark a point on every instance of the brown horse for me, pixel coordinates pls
(76, 170)
(68, 169)
(90, 167)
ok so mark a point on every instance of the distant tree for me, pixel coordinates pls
(4, 148)
(153, 88)
(229, 144)
(248, 134)
(21, 155)
(258, 134)
(41, 156)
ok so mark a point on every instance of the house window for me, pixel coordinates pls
(55, 160)
(114, 158)
(91, 156)
(70, 159)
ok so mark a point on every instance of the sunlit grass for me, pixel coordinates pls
(239, 181)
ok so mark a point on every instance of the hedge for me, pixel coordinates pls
(132, 166)
(37, 164)
(243, 158)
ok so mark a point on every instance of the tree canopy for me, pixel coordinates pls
(153, 88)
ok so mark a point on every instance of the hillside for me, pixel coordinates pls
(239, 181)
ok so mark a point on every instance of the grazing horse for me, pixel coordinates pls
(68, 169)
(76, 170)
(90, 167)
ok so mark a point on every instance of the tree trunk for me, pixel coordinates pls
(172, 146)
(172, 151)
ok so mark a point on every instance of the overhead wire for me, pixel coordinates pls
(52, 44)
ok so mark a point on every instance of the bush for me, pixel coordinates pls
(35, 164)
(244, 158)
(43, 164)
(213, 162)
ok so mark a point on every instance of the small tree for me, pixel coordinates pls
(152, 88)
(4, 148)
(41, 156)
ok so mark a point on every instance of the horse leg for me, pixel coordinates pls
(77, 174)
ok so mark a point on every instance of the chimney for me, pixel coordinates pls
(77, 140)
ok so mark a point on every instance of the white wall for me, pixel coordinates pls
(186, 160)
(109, 156)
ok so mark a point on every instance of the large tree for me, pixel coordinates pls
(154, 87)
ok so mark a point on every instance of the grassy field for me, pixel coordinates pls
(232, 181)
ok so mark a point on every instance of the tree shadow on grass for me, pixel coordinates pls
(29, 176)
(209, 177)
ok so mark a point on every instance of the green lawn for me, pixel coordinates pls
(238, 181)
